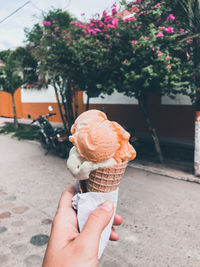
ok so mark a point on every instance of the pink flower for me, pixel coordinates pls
(134, 42)
(130, 19)
(159, 53)
(169, 30)
(146, 38)
(46, 23)
(115, 22)
(171, 16)
(161, 28)
(82, 14)
(111, 26)
(182, 30)
(160, 34)
(114, 5)
(97, 30)
(114, 11)
(156, 6)
(188, 41)
(167, 57)
(53, 21)
(169, 67)
(101, 24)
(104, 14)
(107, 36)
(91, 31)
(135, 9)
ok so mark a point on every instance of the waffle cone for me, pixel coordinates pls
(104, 180)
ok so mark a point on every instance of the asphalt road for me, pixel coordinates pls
(161, 215)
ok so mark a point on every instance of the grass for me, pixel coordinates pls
(25, 132)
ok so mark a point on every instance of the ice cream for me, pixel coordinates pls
(98, 143)
(98, 160)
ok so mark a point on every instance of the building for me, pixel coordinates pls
(173, 119)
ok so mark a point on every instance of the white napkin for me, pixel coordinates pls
(85, 203)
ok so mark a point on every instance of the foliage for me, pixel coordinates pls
(188, 12)
(10, 78)
(139, 53)
(145, 50)
(52, 48)
(23, 132)
(19, 67)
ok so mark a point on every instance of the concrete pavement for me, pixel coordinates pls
(161, 215)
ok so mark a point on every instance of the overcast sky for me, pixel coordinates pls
(12, 29)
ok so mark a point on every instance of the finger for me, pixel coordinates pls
(114, 235)
(66, 197)
(117, 220)
(95, 224)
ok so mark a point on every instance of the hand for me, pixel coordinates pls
(69, 248)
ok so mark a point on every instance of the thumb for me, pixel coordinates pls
(96, 223)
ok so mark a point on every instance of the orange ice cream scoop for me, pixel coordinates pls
(97, 139)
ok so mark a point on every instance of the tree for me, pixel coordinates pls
(52, 48)
(19, 67)
(148, 54)
(188, 13)
(92, 61)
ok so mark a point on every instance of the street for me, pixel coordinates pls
(160, 215)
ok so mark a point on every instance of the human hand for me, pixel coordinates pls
(67, 247)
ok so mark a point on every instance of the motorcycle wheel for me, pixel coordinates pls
(63, 149)
(43, 142)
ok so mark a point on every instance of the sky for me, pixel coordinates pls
(12, 28)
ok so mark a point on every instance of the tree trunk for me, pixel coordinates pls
(69, 103)
(60, 110)
(88, 102)
(143, 105)
(14, 112)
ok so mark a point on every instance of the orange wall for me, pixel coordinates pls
(6, 109)
(172, 121)
(36, 109)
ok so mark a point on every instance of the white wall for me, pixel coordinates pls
(38, 96)
(179, 100)
(115, 98)
(48, 96)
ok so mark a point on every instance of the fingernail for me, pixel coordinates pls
(107, 205)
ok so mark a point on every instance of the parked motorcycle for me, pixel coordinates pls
(52, 138)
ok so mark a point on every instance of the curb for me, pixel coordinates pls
(171, 173)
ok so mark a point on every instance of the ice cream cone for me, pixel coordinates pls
(104, 180)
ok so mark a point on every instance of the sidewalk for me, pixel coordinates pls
(168, 170)
(160, 215)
